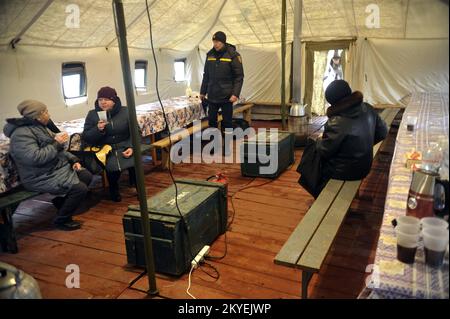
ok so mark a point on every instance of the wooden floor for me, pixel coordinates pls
(265, 215)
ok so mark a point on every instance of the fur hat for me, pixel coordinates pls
(337, 90)
(31, 108)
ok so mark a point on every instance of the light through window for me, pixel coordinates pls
(71, 85)
(140, 75)
(179, 66)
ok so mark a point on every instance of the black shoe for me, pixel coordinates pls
(115, 197)
(58, 201)
(69, 225)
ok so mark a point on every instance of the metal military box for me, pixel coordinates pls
(204, 208)
(267, 154)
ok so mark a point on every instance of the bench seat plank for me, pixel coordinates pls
(14, 198)
(314, 254)
(299, 239)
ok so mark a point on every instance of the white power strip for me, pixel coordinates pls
(200, 256)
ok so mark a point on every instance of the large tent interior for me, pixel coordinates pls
(395, 52)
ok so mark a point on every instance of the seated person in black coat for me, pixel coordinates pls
(114, 132)
(352, 129)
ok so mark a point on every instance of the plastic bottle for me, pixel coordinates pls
(431, 160)
(188, 91)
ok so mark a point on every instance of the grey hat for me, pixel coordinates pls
(31, 108)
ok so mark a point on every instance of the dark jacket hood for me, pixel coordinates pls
(13, 123)
(115, 109)
(349, 106)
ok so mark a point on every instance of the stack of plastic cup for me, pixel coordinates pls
(435, 238)
(407, 233)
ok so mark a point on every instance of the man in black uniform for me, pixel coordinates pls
(222, 80)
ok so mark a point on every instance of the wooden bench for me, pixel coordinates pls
(311, 240)
(8, 205)
(165, 143)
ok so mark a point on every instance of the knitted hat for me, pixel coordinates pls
(337, 90)
(220, 36)
(31, 108)
(107, 92)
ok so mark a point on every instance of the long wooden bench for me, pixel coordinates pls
(310, 242)
(165, 143)
(8, 204)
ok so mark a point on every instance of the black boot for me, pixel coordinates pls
(114, 193)
(67, 224)
(113, 180)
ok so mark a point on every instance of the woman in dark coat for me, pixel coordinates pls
(352, 129)
(114, 132)
(37, 148)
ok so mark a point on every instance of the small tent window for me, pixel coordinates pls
(179, 66)
(73, 80)
(140, 75)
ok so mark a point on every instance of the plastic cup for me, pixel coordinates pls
(433, 222)
(407, 242)
(409, 221)
(411, 122)
(435, 241)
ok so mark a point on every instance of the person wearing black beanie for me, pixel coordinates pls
(223, 78)
(352, 129)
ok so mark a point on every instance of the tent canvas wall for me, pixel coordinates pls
(407, 52)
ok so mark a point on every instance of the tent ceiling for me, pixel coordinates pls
(184, 24)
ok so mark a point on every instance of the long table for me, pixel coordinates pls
(391, 278)
(180, 112)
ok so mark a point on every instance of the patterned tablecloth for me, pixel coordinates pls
(180, 111)
(391, 278)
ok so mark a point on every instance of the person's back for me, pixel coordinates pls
(353, 128)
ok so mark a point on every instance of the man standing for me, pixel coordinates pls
(222, 80)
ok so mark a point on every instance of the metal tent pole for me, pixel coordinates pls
(119, 18)
(283, 64)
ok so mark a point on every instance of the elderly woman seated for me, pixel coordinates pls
(37, 148)
(112, 130)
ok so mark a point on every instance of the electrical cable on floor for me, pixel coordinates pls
(216, 277)
(142, 274)
(189, 285)
(168, 130)
(247, 186)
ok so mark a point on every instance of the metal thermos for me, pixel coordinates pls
(422, 193)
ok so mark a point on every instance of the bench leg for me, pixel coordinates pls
(247, 114)
(165, 158)
(9, 240)
(306, 277)
(152, 140)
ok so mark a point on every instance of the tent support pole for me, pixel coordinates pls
(297, 54)
(119, 18)
(283, 65)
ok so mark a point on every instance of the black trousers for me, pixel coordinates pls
(113, 180)
(227, 114)
(74, 197)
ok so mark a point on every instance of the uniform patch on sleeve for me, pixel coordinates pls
(239, 59)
